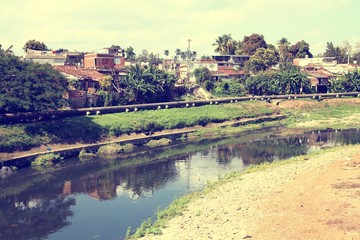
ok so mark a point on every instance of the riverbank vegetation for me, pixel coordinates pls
(304, 114)
(91, 129)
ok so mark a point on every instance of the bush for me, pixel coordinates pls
(128, 147)
(46, 160)
(109, 150)
(84, 155)
(158, 143)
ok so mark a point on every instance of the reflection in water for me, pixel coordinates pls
(33, 218)
(49, 205)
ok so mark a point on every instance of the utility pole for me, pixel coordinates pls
(188, 61)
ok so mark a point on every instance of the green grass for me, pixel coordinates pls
(91, 129)
(296, 117)
(46, 160)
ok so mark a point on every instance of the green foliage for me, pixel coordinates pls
(92, 129)
(84, 155)
(130, 54)
(283, 48)
(14, 138)
(262, 84)
(300, 49)
(158, 143)
(46, 160)
(208, 85)
(110, 150)
(351, 81)
(146, 85)
(251, 43)
(28, 86)
(229, 88)
(263, 59)
(202, 75)
(332, 51)
(6, 52)
(225, 45)
(35, 45)
(291, 80)
(287, 80)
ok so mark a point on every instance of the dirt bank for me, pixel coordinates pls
(317, 198)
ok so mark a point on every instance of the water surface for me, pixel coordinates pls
(99, 199)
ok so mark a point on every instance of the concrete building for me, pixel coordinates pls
(53, 58)
(318, 62)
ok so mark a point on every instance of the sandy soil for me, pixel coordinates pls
(318, 198)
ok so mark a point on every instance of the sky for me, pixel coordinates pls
(156, 25)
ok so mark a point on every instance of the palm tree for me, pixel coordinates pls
(225, 44)
(291, 79)
(166, 52)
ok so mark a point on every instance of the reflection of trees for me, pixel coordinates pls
(149, 178)
(33, 219)
(269, 150)
(225, 155)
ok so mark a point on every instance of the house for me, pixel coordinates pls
(227, 72)
(99, 61)
(54, 58)
(319, 78)
(319, 81)
(231, 60)
(318, 62)
(87, 84)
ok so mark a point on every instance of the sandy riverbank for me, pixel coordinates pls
(316, 198)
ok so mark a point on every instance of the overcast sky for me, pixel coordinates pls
(156, 25)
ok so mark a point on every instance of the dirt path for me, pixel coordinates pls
(314, 199)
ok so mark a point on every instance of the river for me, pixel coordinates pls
(101, 198)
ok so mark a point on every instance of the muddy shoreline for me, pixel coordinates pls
(309, 197)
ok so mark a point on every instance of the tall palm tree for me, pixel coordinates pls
(166, 52)
(225, 44)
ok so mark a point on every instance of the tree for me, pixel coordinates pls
(148, 84)
(27, 86)
(300, 49)
(283, 48)
(130, 54)
(291, 80)
(166, 52)
(332, 51)
(262, 84)
(351, 81)
(35, 45)
(202, 75)
(225, 45)
(251, 43)
(6, 52)
(263, 59)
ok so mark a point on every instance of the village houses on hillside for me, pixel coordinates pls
(90, 68)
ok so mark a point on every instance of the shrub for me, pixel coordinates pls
(158, 143)
(84, 155)
(109, 150)
(128, 147)
(46, 160)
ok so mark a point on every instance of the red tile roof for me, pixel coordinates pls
(227, 71)
(80, 72)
